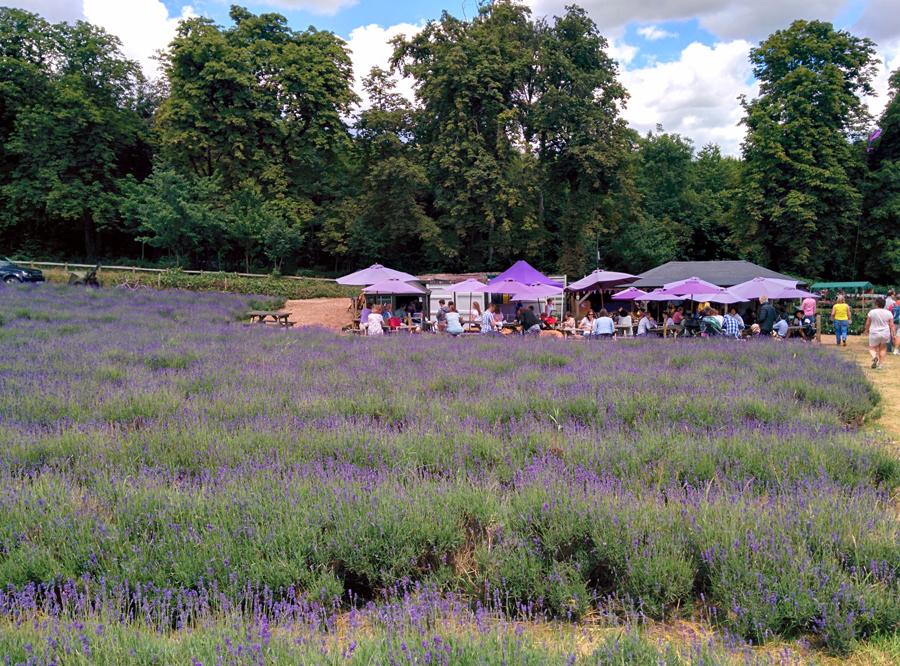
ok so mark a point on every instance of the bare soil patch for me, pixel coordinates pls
(331, 313)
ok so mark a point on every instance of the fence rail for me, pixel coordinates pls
(136, 269)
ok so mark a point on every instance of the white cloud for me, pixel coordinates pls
(651, 33)
(327, 7)
(695, 96)
(144, 26)
(55, 11)
(880, 21)
(889, 57)
(752, 20)
(369, 47)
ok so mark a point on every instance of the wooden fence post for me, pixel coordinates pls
(819, 328)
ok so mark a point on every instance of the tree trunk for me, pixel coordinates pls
(91, 238)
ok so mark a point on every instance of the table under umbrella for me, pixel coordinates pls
(470, 286)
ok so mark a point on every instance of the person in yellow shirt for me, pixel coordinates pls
(842, 317)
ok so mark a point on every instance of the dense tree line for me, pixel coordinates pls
(253, 152)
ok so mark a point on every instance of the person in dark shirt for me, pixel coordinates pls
(529, 321)
(767, 316)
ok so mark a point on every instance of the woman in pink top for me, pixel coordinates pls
(809, 307)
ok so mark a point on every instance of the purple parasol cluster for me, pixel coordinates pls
(164, 468)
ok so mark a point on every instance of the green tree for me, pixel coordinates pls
(800, 197)
(386, 219)
(184, 216)
(259, 106)
(70, 125)
(880, 233)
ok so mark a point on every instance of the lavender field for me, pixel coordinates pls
(176, 485)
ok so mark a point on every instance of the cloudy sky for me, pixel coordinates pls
(684, 62)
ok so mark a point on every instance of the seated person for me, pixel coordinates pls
(710, 323)
(780, 328)
(603, 326)
(646, 323)
(678, 316)
(529, 321)
(806, 324)
(489, 325)
(625, 320)
(442, 315)
(454, 327)
(734, 314)
(364, 316)
(586, 325)
(733, 326)
(569, 323)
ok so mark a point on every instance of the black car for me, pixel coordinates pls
(12, 274)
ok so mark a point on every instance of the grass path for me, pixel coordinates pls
(887, 381)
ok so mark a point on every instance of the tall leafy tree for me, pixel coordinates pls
(880, 234)
(385, 217)
(467, 76)
(801, 199)
(71, 125)
(260, 107)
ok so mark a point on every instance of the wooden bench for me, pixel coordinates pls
(261, 316)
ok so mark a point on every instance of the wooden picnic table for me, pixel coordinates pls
(666, 331)
(261, 316)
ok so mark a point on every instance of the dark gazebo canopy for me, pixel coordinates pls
(720, 273)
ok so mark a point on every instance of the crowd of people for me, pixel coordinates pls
(882, 322)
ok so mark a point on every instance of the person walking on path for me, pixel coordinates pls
(842, 317)
(880, 327)
(767, 316)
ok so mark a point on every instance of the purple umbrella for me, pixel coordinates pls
(601, 279)
(510, 286)
(792, 292)
(759, 286)
(689, 287)
(470, 286)
(720, 295)
(539, 290)
(631, 294)
(661, 295)
(394, 286)
(373, 274)
(522, 272)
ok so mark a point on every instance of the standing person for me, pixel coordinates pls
(880, 327)
(767, 316)
(488, 323)
(375, 323)
(442, 315)
(842, 317)
(454, 327)
(603, 326)
(809, 307)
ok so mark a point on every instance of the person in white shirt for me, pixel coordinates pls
(625, 320)
(880, 327)
(586, 325)
(376, 321)
(646, 323)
